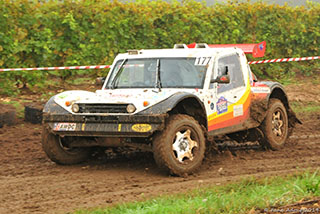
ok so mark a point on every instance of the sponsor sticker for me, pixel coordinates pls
(237, 110)
(222, 105)
(141, 127)
(64, 126)
(261, 47)
(260, 90)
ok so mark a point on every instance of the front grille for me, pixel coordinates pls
(102, 108)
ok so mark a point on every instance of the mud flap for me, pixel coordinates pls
(292, 121)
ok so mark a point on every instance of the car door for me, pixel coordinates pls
(231, 99)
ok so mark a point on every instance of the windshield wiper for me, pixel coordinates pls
(117, 74)
(158, 80)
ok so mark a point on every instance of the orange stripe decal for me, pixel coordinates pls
(231, 117)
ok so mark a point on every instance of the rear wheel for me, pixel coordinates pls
(58, 151)
(275, 126)
(180, 147)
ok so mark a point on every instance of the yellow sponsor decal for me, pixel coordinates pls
(119, 127)
(141, 127)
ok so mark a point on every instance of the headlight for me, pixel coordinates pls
(75, 108)
(131, 108)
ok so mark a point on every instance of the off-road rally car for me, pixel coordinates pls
(174, 102)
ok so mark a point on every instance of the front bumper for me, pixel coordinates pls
(104, 126)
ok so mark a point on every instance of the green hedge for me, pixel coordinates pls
(90, 32)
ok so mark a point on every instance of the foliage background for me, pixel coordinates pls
(91, 32)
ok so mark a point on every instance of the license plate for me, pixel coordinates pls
(64, 127)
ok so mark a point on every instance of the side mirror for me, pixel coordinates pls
(224, 79)
(100, 81)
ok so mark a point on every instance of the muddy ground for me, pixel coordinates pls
(31, 183)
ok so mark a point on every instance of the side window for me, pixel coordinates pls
(234, 71)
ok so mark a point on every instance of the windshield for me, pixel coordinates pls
(171, 72)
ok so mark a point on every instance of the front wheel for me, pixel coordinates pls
(275, 126)
(180, 147)
(58, 151)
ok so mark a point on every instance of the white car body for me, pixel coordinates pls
(153, 96)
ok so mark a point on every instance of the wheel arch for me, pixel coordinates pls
(181, 103)
(277, 92)
(192, 106)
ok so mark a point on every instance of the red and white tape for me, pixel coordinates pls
(284, 60)
(57, 68)
(108, 66)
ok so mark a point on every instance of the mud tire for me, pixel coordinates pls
(271, 140)
(163, 152)
(52, 146)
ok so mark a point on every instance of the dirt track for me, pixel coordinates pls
(30, 183)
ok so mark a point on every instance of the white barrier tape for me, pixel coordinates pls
(57, 68)
(284, 60)
(108, 66)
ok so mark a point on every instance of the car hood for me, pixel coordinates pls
(137, 97)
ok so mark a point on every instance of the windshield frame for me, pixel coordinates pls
(122, 61)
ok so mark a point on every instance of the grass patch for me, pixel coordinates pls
(305, 107)
(288, 80)
(239, 197)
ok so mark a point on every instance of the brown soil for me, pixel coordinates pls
(5, 108)
(31, 183)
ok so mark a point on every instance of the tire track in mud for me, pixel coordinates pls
(30, 183)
